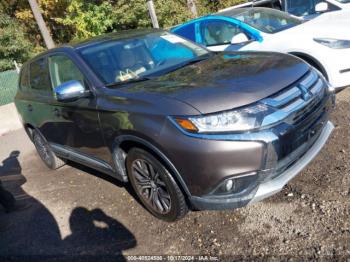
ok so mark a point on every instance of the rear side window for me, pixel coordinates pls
(187, 31)
(24, 80)
(39, 76)
(63, 70)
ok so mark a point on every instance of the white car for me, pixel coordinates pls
(306, 9)
(323, 43)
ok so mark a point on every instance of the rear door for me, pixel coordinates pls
(38, 97)
(22, 98)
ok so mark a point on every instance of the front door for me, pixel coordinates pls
(76, 123)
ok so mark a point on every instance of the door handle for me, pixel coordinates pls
(56, 112)
(30, 108)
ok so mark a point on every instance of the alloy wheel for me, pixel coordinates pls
(150, 186)
(43, 150)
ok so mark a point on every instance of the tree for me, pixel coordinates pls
(68, 19)
(134, 14)
(211, 6)
(14, 44)
(88, 18)
(193, 8)
(41, 24)
(97, 17)
(152, 13)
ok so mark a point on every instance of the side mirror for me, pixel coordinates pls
(321, 7)
(239, 39)
(70, 91)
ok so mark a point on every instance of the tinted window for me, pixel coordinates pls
(217, 32)
(62, 70)
(24, 81)
(301, 7)
(306, 7)
(39, 75)
(187, 32)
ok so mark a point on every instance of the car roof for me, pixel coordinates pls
(237, 11)
(121, 35)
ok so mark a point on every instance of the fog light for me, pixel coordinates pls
(229, 185)
(237, 184)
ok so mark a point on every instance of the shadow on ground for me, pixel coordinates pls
(34, 231)
(108, 178)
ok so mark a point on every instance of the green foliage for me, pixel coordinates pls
(91, 18)
(172, 13)
(130, 15)
(88, 18)
(14, 45)
(134, 14)
(94, 18)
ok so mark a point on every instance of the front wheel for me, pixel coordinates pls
(45, 152)
(155, 186)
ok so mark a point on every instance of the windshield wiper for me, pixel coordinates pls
(133, 80)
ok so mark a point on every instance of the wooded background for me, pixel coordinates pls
(20, 37)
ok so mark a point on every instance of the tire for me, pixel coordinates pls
(45, 152)
(155, 186)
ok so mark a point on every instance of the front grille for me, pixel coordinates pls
(291, 152)
(302, 109)
(300, 99)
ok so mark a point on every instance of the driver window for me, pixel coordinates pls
(218, 32)
(62, 70)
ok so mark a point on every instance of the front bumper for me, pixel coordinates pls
(266, 188)
(275, 185)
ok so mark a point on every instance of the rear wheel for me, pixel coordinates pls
(45, 152)
(155, 186)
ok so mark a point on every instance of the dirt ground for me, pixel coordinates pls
(78, 212)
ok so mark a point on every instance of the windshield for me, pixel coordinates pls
(267, 20)
(125, 60)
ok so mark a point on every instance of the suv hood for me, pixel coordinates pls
(227, 80)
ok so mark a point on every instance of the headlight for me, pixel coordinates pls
(333, 43)
(244, 119)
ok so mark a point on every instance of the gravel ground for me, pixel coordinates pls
(78, 212)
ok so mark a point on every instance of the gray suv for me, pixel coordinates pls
(188, 128)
